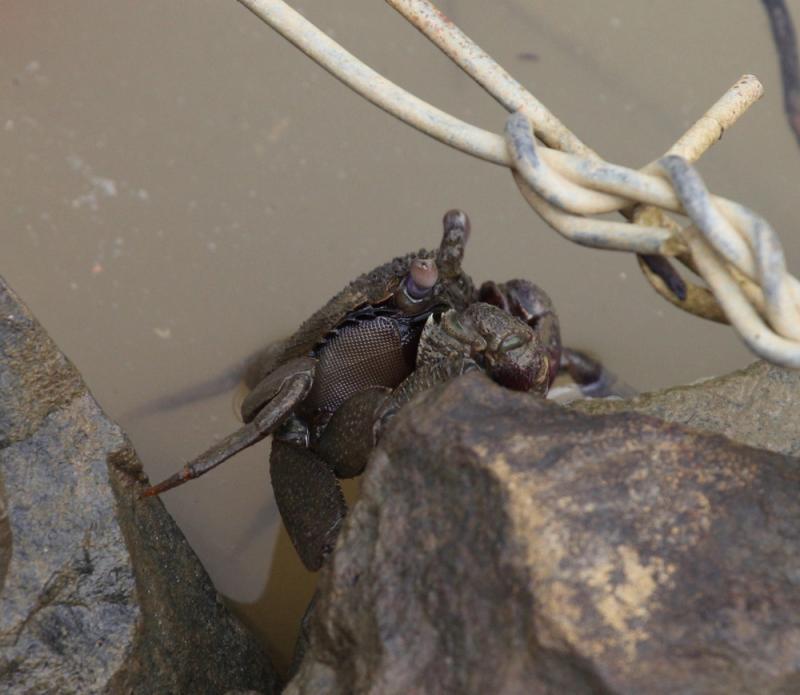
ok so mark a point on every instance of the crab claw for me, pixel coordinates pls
(521, 367)
(531, 304)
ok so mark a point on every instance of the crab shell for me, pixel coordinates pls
(453, 289)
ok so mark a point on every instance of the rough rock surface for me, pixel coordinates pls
(99, 591)
(759, 406)
(505, 544)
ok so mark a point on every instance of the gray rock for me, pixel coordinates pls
(100, 593)
(759, 406)
(506, 544)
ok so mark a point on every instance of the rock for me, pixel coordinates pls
(101, 592)
(506, 544)
(759, 406)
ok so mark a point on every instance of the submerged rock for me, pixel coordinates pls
(99, 591)
(506, 544)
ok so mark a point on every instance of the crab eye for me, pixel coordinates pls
(512, 342)
(422, 276)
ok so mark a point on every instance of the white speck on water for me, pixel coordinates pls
(615, 22)
(32, 67)
(9, 125)
(107, 186)
(623, 276)
(211, 246)
(277, 130)
(89, 199)
(100, 186)
(163, 333)
(73, 285)
(142, 194)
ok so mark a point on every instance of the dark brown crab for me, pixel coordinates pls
(389, 334)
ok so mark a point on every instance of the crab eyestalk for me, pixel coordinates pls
(451, 251)
(458, 291)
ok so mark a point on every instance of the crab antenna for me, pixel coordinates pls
(451, 251)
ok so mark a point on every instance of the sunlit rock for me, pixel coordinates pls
(759, 406)
(504, 544)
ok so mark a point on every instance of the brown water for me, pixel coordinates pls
(181, 186)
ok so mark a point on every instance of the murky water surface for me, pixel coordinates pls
(181, 186)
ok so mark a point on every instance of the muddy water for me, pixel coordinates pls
(180, 186)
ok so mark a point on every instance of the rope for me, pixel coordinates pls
(734, 250)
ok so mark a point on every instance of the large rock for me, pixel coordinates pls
(759, 406)
(505, 544)
(99, 591)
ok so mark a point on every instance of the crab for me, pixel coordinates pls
(326, 393)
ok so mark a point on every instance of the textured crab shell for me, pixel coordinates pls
(370, 288)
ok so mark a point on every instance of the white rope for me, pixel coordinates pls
(735, 250)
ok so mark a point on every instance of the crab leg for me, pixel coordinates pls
(309, 499)
(424, 377)
(292, 391)
(348, 440)
(592, 378)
